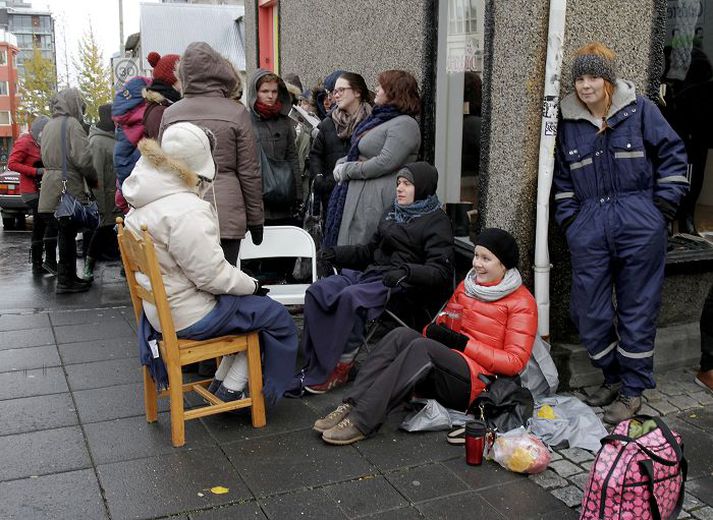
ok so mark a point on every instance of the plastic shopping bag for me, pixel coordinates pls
(520, 452)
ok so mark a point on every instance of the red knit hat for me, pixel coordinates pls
(163, 66)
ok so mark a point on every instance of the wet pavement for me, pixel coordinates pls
(74, 443)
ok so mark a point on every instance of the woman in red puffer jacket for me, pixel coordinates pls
(498, 327)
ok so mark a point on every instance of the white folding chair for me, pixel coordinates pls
(280, 242)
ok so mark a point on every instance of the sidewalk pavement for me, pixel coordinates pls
(74, 443)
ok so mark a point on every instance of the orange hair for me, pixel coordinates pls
(599, 49)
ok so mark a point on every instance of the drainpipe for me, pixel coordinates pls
(548, 133)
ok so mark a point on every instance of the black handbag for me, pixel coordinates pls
(83, 216)
(504, 404)
(278, 183)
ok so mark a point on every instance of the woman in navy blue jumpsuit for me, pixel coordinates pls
(621, 172)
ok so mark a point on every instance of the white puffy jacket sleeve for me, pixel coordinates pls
(195, 246)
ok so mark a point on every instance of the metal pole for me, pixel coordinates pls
(121, 27)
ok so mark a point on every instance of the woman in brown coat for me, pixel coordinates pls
(207, 81)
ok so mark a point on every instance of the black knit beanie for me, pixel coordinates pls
(594, 65)
(105, 123)
(501, 244)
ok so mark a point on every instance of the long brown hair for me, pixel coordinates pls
(599, 49)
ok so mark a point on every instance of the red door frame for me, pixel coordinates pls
(266, 34)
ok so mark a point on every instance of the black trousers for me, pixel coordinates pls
(103, 243)
(67, 239)
(231, 248)
(707, 333)
(44, 235)
(401, 362)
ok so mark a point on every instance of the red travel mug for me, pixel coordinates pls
(474, 442)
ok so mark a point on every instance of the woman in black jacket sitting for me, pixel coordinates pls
(411, 253)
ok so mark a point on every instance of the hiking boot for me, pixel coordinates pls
(338, 377)
(343, 433)
(625, 407)
(50, 267)
(70, 286)
(89, 264)
(332, 419)
(604, 395)
(704, 379)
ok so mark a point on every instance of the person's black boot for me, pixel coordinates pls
(67, 281)
(36, 255)
(89, 264)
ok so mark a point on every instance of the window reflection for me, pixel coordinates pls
(687, 93)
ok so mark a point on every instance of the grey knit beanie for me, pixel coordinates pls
(594, 65)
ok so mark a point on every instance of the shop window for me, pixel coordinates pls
(4, 89)
(687, 93)
(3, 57)
(5, 118)
(458, 104)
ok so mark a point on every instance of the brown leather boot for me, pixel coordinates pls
(704, 379)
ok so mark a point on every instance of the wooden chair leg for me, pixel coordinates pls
(150, 397)
(257, 410)
(175, 394)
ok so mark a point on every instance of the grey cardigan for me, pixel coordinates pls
(372, 179)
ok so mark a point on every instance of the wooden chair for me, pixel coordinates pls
(138, 254)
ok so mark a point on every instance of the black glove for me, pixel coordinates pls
(443, 334)
(260, 290)
(256, 233)
(328, 254)
(39, 172)
(667, 209)
(395, 277)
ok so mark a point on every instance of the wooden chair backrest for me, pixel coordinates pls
(139, 255)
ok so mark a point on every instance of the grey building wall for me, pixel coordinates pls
(250, 18)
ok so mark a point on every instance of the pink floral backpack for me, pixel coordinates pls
(637, 478)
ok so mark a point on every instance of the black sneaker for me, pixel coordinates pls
(227, 395)
(71, 286)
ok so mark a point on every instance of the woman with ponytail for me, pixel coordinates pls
(621, 173)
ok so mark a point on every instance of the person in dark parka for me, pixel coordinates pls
(621, 174)
(412, 251)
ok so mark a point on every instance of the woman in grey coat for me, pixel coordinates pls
(270, 103)
(380, 146)
(68, 106)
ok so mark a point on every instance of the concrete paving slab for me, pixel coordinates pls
(113, 402)
(570, 495)
(246, 511)
(117, 328)
(426, 482)
(170, 484)
(521, 499)
(700, 417)
(28, 383)
(293, 461)
(402, 513)
(548, 479)
(36, 413)
(26, 338)
(391, 448)
(701, 488)
(288, 415)
(85, 316)
(705, 513)
(64, 496)
(481, 477)
(134, 438)
(103, 373)
(366, 496)
(28, 358)
(561, 514)
(43, 452)
(24, 321)
(458, 507)
(302, 504)
(99, 350)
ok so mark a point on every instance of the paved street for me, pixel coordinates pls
(74, 443)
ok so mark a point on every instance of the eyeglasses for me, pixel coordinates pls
(340, 90)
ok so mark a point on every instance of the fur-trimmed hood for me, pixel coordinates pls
(624, 95)
(156, 175)
(152, 96)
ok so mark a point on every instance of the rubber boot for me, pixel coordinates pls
(36, 256)
(89, 264)
(67, 281)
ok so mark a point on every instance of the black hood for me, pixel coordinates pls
(423, 176)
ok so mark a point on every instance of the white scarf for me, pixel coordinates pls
(490, 293)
